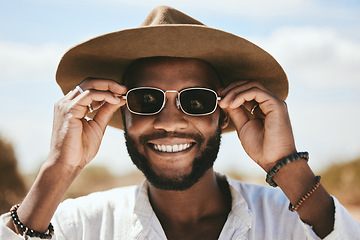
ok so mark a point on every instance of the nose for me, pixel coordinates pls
(171, 118)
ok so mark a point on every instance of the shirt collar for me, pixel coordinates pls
(145, 222)
(239, 219)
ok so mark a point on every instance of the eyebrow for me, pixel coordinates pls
(199, 86)
(195, 86)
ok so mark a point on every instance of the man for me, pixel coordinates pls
(174, 85)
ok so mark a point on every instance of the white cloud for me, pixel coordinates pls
(319, 57)
(329, 131)
(260, 8)
(19, 62)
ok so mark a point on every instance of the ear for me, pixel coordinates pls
(122, 110)
(224, 119)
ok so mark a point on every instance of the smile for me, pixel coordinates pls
(171, 148)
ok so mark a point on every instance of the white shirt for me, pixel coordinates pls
(258, 212)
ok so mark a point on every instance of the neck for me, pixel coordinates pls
(206, 199)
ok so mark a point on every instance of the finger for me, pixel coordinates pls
(105, 113)
(241, 86)
(99, 85)
(95, 98)
(71, 94)
(238, 117)
(267, 102)
(255, 110)
(97, 105)
(231, 86)
(251, 106)
(103, 85)
(90, 96)
(252, 96)
(235, 88)
(235, 98)
(229, 95)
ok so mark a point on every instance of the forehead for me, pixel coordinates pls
(171, 73)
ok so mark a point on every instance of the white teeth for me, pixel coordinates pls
(163, 148)
(169, 148)
(172, 148)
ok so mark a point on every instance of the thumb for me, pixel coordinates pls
(238, 117)
(105, 113)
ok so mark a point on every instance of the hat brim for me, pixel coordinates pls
(107, 56)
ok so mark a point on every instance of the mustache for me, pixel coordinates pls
(143, 139)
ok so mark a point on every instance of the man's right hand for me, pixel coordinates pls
(74, 143)
(75, 139)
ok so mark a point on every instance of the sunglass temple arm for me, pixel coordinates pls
(120, 96)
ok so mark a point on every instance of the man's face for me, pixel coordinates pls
(174, 150)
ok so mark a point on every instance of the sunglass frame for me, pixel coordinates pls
(178, 103)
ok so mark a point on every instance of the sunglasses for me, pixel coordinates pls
(196, 101)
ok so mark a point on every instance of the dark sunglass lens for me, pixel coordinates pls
(145, 101)
(198, 101)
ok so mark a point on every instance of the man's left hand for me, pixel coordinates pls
(266, 135)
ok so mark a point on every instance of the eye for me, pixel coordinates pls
(196, 105)
(149, 99)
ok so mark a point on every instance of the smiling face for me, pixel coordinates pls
(173, 149)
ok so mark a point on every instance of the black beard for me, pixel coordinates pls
(200, 164)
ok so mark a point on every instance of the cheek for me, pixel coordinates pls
(207, 124)
(134, 123)
(135, 126)
(128, 120)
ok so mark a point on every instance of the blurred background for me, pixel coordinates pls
(316, 42)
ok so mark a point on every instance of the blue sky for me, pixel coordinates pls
(316, 42)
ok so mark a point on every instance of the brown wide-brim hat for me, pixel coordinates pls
(169, 32)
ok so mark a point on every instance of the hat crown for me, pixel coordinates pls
(164, 15)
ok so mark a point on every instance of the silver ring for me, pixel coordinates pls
(90, 108)
(81, 91)
(253, 108)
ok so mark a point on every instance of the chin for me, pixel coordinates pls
(177, 181)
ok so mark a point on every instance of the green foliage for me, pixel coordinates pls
(343, 181)
(12, 187)
(98, 178)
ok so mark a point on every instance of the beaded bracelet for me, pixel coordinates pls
(25, 231)
(292, 158)
(306, 196)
